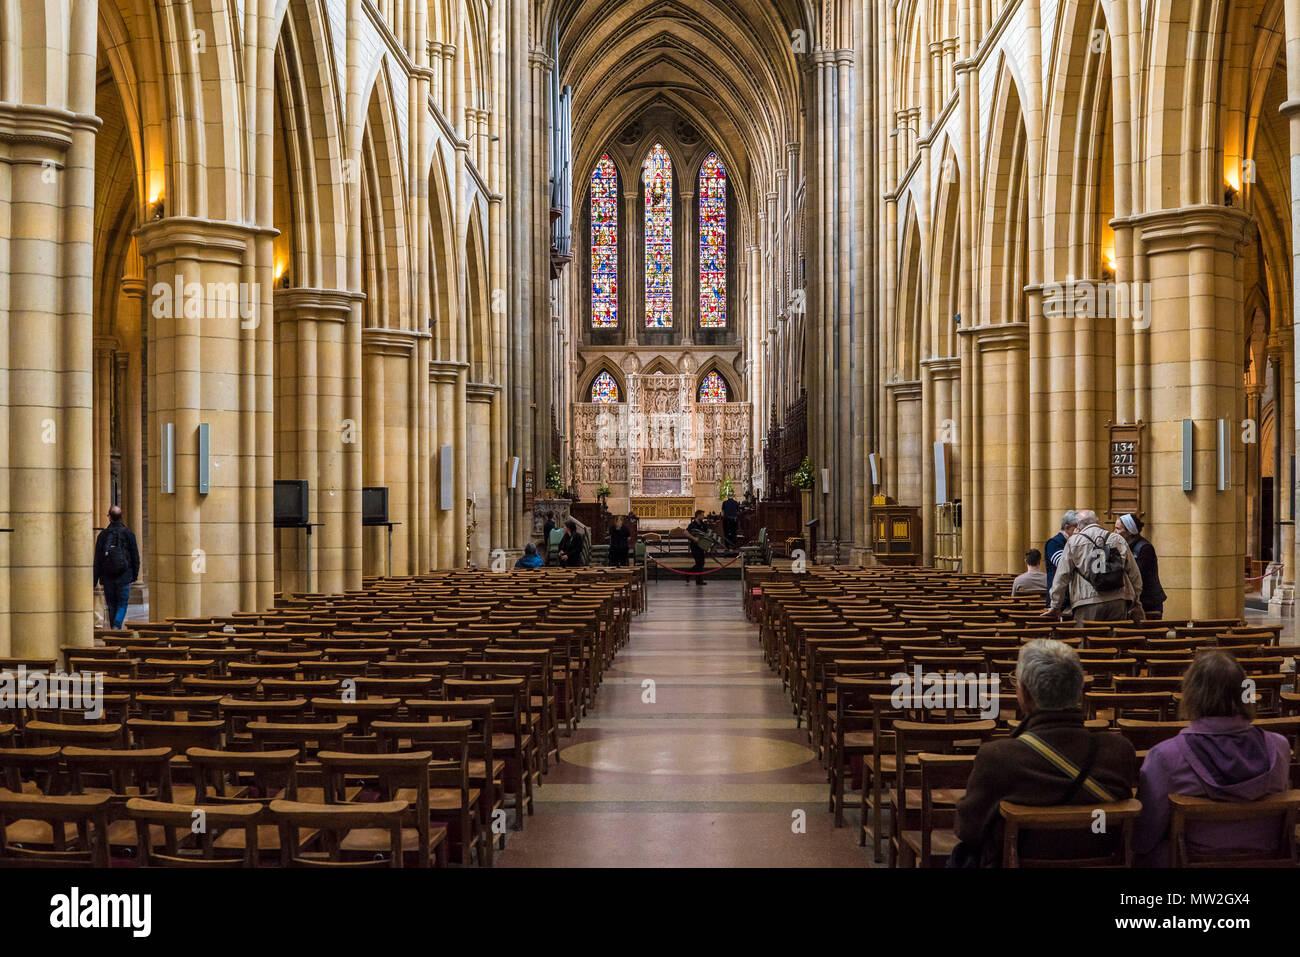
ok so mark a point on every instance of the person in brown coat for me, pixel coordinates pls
(1049, 688)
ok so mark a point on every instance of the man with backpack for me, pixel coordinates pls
(1098, 573)
(117, 565)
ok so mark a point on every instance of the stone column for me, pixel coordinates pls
(105, 366)
(444, 377)
(1196, 345)
(131, 302)
(46, 352)
(482, 468)
(204, 312)
(315, 436)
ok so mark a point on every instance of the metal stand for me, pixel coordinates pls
(390, 548)
(311, 588)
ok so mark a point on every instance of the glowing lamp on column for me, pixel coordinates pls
(1231, 185)
(156, 208)
(282, 274)
(1108, 264)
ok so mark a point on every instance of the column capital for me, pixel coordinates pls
(133, 286)
(106, 344)
(323, 305)
(1189, 227)
(207, 239)
(390, 342)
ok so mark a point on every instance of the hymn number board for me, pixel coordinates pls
(1125, 469)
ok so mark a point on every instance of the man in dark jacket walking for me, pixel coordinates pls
(1055, 546)
(1049, 688)
(117, 565)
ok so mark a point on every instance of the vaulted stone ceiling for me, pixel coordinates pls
(729, 66)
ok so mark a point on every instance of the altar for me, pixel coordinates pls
(660, 447)
(660, 513)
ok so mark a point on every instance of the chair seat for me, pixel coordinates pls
(476, 768)
(942, 842)
(859, 741)
(369, 840)
(506, 742)
(38, 833)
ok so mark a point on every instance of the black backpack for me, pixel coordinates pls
(116, 560)
(1104, 567)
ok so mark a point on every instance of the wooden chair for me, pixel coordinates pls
(87, 815)
(943, 778)
(397, 777)
(337, 821)
(121, 775)
(911, 738)
(452, 801)
(512, 718)
(486, 770)
(1185, 810)
(193, 833)
(240, 778)
(1113, 849)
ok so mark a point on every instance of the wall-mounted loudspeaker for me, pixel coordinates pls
(167, 453)
(514, 471)
(447, 478)
(940, 473)
(826, 481)
(875, 473)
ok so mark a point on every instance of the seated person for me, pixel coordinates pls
(1049, 688)
(1220, 756)
(571, 545)
(531, 558)
(1033, 578)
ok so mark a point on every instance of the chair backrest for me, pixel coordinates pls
(146, 770)
(1280, 808)
(338, 820)
(89, 813)
(1113, 845)
(191, 833)
(243, 777)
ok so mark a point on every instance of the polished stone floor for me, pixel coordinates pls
(690, 758)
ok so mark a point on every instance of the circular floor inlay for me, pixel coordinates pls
(698, 753)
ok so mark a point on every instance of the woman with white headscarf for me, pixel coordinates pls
(1153, 596)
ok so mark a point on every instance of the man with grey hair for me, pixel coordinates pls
(1056, 544)
(1029, 766)
(1099, 574)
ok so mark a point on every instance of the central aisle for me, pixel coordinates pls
(708, 774)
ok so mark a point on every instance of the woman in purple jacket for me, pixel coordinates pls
(1220, 756)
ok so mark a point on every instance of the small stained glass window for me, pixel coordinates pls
(713, 388)
(604, 388)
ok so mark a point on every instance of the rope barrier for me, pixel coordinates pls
(677, 571)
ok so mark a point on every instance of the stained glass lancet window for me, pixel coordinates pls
(604, 388)
(657, 175)
(713, 243)
(604, 244)
(713, 388)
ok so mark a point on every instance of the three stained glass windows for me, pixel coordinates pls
(604, 388)
(657, 175)
(604, 245)
(713, 388)
(713, 243)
